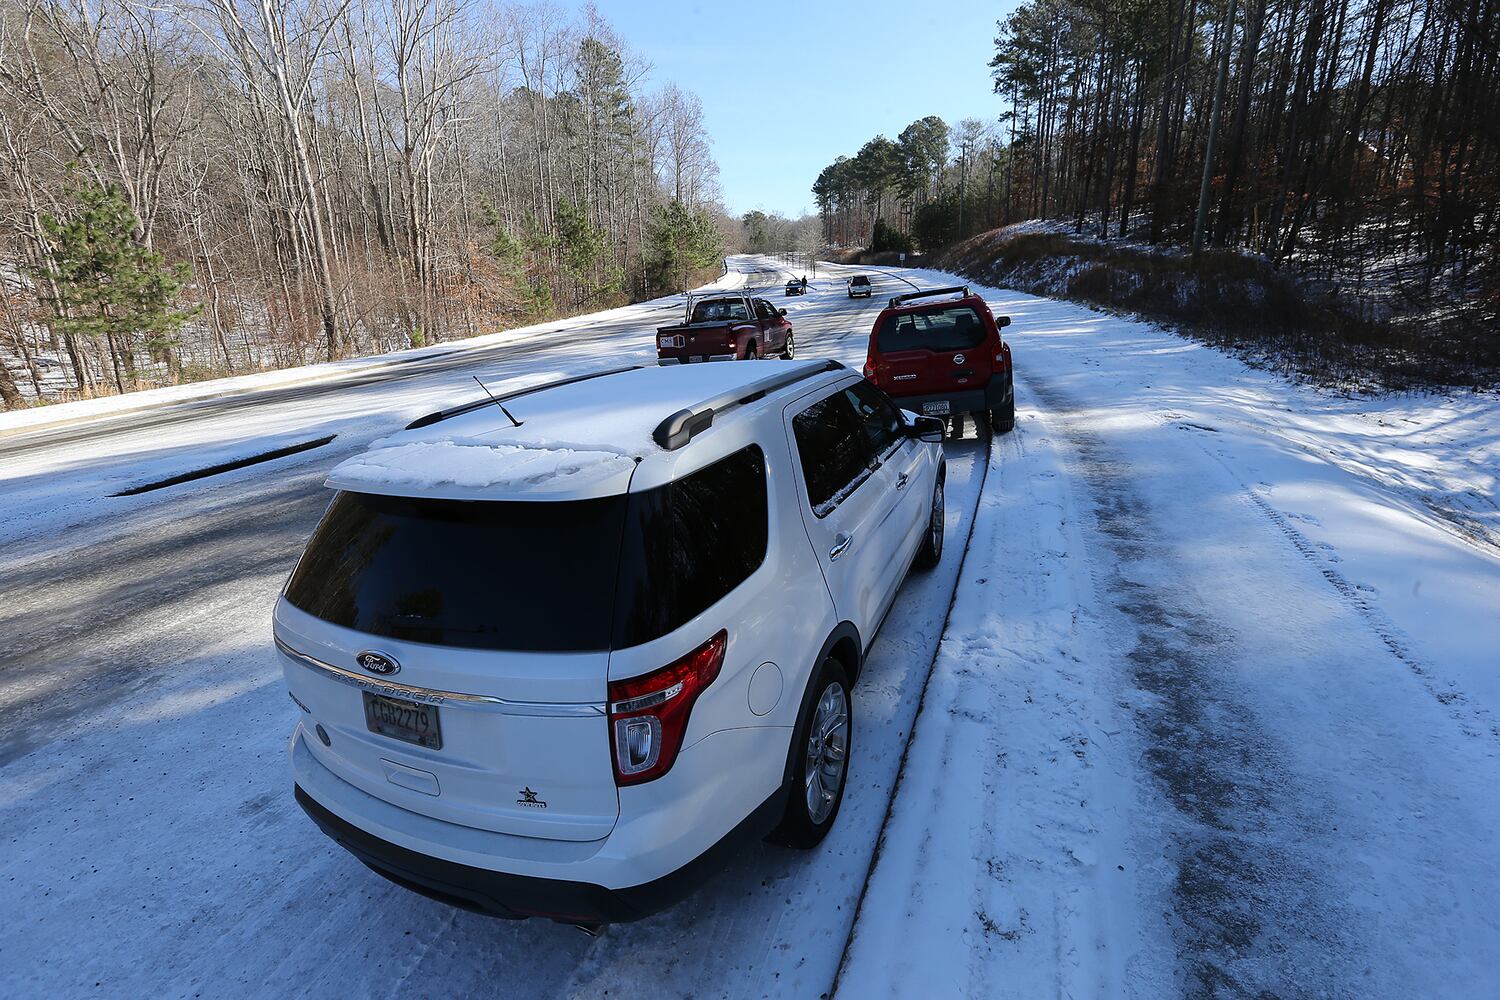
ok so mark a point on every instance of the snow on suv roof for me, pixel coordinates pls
(577, 439)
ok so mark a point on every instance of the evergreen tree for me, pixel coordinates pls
(682, 242)
(110, 285)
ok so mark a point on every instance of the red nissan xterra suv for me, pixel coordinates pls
(944, 358)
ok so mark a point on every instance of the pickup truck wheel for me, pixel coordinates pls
(820, 760)
(750, 352)
(931, 551)
(790, 350)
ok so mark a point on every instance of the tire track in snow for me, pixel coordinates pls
(1251, 914)
(895, 792)
(1472, 719)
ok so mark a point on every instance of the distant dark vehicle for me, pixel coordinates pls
(726, 327)
(945, 358)
(796, 286)
(859, 286)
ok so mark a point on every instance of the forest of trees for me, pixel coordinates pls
(217, 186)
(1351, 140)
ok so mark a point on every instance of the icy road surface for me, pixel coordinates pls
(1217, 711)
(151, 846)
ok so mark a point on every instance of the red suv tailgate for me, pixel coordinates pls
(932, 350)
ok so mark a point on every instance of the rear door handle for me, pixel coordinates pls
(840, 546)
(902, 480)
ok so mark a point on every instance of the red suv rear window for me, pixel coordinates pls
(955, 328)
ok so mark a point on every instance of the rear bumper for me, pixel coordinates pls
(516, 897)
(993, 396)
(668, 840)
(683, 359)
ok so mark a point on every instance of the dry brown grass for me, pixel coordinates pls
(1239, 302)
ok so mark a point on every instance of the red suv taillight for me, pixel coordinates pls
(870, 372)
(648, 715)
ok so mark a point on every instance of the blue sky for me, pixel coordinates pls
(788, 86)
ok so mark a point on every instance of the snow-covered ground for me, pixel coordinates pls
(1216, 711)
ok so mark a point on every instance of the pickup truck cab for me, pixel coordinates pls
(726, 327)
(859, 286)
(944, 358)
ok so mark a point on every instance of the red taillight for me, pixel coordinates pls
(648, 715)
(870, 373)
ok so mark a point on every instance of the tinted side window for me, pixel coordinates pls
(689, 543)
(882, 422)
(833, 447)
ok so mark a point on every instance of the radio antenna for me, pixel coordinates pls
(496, 401)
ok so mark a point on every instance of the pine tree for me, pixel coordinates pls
(682, 242)
(110, 285)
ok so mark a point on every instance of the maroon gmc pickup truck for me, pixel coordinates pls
(727, 326)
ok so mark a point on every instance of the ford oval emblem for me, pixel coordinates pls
(378, 663)
(958, 359)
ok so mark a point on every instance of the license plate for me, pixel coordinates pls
(934, 409)
(399, 719)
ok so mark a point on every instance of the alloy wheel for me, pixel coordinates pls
(827, 752)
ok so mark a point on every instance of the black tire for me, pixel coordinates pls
(790, 350)
(958, 425)
(931, 552)
(750, 352)
(799, 827)
(1003, 420)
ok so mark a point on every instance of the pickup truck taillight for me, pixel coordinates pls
(648, 715)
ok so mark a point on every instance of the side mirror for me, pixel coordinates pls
(782, 312)
(1002, 321)
(926, 429)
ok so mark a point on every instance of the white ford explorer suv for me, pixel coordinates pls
(556, 653)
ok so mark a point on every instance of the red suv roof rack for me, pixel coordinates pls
(899, 300)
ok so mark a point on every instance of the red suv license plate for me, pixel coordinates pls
(936, 408)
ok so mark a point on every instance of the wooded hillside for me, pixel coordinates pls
(219, 186)
(1352, 142)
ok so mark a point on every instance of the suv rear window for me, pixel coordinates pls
(859, 279)
(537, 576)
(482, 574)
(956, 328)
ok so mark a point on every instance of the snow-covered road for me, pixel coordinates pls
(151, 841)
(1217, 712)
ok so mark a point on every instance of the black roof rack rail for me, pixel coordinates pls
(679, 428)
(431, 418)
(897, 300)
